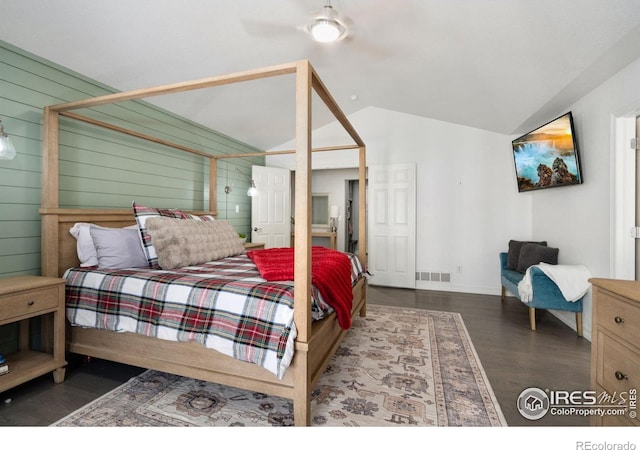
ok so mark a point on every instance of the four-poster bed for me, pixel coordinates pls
(316, 341)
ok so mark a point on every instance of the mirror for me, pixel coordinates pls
(320, 210)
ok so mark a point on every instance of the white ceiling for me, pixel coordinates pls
(500, 65)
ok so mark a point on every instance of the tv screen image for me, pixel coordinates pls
(547, 156)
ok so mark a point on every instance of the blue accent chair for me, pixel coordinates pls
(546, 294)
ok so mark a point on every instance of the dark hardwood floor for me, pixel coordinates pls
(513, 357)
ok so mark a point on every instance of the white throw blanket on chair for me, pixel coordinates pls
(570, 279)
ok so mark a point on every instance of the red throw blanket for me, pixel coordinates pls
(330, 274)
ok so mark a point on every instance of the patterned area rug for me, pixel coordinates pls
(395, 367)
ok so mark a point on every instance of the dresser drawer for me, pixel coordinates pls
(28, 303)
(619, 316)
(618, 368)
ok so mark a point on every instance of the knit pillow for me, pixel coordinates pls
(143, 213)
(180, 243)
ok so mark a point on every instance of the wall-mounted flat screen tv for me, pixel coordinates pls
(547, 156)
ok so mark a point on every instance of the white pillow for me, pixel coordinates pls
(84, 243)
(118, 248)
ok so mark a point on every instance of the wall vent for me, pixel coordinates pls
(444, 277)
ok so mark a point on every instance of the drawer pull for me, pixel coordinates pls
(618, 319)
(31, 303)
(620, 376)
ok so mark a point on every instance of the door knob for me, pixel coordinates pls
(256, 229)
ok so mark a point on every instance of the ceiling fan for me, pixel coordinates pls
(327, 26)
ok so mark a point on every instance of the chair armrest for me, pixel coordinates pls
(503, 261)
(543, 286)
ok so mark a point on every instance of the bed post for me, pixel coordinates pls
(302, 252)
(213, 185)
(49, 195)
(362, 216)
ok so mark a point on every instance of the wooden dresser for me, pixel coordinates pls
(615, 344)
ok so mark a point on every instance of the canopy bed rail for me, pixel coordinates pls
(315, 342)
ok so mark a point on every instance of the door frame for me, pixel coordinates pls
(623, 192)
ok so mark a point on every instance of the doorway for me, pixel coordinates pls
(637, 200)
(352, 213)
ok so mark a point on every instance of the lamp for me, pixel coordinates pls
(327, 28)
(253, 190)
(7, 150)
(228, 188)
(334, 214)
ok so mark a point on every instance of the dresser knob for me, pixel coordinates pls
(618, 319)
(620, 376)
(31, 303)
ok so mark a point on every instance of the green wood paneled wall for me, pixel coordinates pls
(99, 168)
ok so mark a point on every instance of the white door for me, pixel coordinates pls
(392, 225)
(271, 207)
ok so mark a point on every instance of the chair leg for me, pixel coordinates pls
(579, 323)
(532, 318)
(502, 294)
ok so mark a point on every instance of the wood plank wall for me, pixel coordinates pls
(97, 167)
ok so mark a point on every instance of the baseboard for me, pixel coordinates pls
(448, 287)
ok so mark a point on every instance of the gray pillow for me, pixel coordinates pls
(514, 252)
(118, 248)
(532, 254)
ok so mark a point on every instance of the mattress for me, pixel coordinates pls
(224, 305)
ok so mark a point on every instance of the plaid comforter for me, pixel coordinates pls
(223, 305)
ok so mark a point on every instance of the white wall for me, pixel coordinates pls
(578, 219)
(468, 204)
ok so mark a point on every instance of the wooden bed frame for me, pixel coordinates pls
(316, 342)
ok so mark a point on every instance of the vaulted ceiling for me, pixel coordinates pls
(500, 65)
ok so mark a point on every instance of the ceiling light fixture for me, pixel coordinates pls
(7, 150)
(327, 28)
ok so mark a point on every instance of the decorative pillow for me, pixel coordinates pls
(142, 213)
(117, 248)
(514, 252)
(181, 243)
(532, 254)
(85, 248)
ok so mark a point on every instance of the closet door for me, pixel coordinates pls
(392, 225)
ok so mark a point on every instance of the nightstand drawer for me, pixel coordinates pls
(29, 303)
(620, 317)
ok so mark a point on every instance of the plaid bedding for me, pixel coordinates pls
(223, 305)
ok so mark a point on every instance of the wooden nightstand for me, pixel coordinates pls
(22, 298)
(254, 245)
